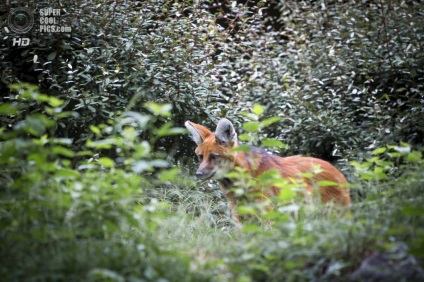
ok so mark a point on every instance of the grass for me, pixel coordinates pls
(100, 226)
(315, 245)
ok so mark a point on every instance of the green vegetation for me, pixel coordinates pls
(133, 216)
(96, 172)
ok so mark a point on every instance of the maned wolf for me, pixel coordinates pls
(216, 159)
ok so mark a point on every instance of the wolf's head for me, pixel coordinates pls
(212, 148)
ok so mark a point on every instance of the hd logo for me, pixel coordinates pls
(21, 41)
(20, 21)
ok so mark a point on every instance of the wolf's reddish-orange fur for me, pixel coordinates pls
(215, 160)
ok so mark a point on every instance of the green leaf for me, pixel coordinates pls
(158, 109)
(270, 121)
(258, 109)
(55, 102)
(242, 148)
(250, 116)
(95, 129)
(101, 144)
(35, 124)
(41, 162)
(84, 153)
(414, 157)
(107, 162)
(176, 131)
(8, 109)
(245, 137)
(379, 151)
(66, 115)
(246, 210)
(251, 126)
(327, 183)
(251, 228)
(67, 173)
(360, 165)
(273, 143)
(379, 173)
(51, 56)
(58, 150)
(286, 194)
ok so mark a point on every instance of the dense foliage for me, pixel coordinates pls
(94, 167)
(343, 75)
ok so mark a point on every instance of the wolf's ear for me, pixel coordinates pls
(198, 132)
(225, 133)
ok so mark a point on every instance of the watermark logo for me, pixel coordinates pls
(49, 21)
(20, 20)
(21, 41)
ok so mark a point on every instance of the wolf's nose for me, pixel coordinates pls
(199, 174)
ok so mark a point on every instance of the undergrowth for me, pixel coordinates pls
(81, 216)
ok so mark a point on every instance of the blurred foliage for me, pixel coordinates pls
(87, 188)
(88, 222)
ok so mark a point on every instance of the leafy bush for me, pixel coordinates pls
(88, 222)
(116, 50)
(339, 79)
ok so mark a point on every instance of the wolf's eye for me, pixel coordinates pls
(213, 157)
(200, 157)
